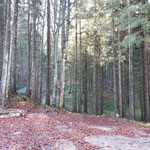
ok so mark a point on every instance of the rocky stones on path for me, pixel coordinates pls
(118, 142)
(63, 128)
(5, 113)
(101, 128)
(46, 147)
(62, 144)
(17, 133)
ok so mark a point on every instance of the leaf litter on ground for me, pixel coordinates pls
(47, 128)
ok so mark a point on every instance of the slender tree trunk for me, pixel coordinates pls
(76, 68)
(6, 59)
(148, 102)
(120, 77)
(95, 69)
(65, 36)
(145, 105)
(85, 82)
(63, 54)
(14, 48)
(146, 77)
(70, 79)
(100, 80)
(41, 62)
(63, 83)
(101, 91)
(131, 84)
(33, 94)
(124, 89)
(39, 51)
(131, 75)
(29, 52)
(95, 75)
(114, 64)
(56, 35)
(56, 38)
(2, 23)
(80, 73)
(142, 93)
(48, 55)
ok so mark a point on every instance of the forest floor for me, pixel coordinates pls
(47, 128)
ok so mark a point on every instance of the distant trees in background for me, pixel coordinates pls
(92, 50)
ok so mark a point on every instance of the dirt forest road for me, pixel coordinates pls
(45, 128)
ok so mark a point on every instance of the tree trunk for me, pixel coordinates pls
(101, 91)
(33, 94)
(48, 55)
(114, 64)
(6, 59)
(85, 82)
(2, 20)
(142, 93)
(41, 61)
(131, 75)
(146, 77)
(120, 77)
(63, 54)
(124, 90)
(29, 51)
(56, 38)
(80, 72)
(65, 36)
(95, 75)
(14, 48)
(76, 68)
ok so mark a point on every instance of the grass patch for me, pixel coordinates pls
(137, 113)
(15, 99)
(143, 123)
(4, 113)
(59, 107)
(43, 105)
(108, 107)
(24, 98)
(90, 104)
(69, 101)
(14, 106)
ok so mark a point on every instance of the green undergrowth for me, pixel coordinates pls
(108, 107)
(90, 104)
(15, 99)
(24, 98)
(42, 105)
(60, 108)
(68, 102)
(3, 114)
(143, 123)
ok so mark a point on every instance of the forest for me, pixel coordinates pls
(71, 66)
(87, 56)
